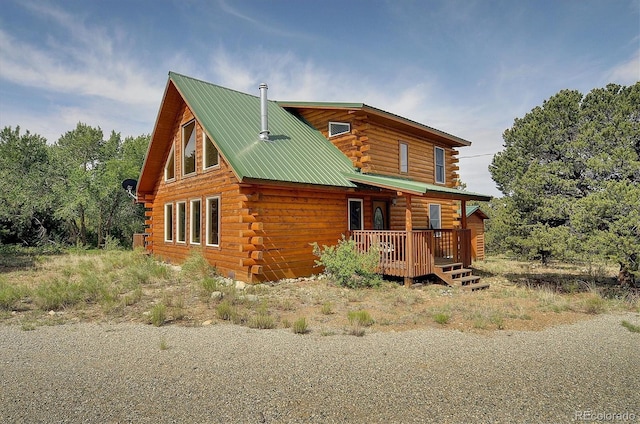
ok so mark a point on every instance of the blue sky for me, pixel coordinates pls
(465, 67)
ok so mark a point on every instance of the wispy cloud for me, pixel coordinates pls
(627, 72)
(87, 61)
(87, 66)
(260, 24)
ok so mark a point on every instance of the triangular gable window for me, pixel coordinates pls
(210, 153)
(337, 128)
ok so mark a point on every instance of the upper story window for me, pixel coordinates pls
(439, 165)
(404, 157)
(189, 148)
(337, 128)
(210, 154)
(170, 167)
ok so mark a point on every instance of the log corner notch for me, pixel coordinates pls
(252, 247)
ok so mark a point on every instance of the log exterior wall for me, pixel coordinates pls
(375, 149)
(204, 183)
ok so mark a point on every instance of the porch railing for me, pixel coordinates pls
(428, 246)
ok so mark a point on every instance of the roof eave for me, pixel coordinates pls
(145, 186)
(450, 138)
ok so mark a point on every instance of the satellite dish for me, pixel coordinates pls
(130, 186)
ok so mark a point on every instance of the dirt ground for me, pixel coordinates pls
(522, 296)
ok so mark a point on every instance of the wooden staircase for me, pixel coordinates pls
(455, 275)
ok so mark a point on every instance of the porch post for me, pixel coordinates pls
(408, 278)
(463, 213)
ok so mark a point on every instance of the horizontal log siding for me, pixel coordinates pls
(218, 181)
(375, 149)
(385, 156)
(349, 143)
(476, 225)
(292, 219)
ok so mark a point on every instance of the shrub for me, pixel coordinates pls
(347, 265)
(595, 304)
(158, 314)
(327, 308)
(226, 311)
(262, 320)
(209, 285)
(498, 320)
(163, 344)
(58, 294)
(197, 266)
(300, 326)
(360, 317)
(9, 296)
(631, 327)
(442, 317)
(356, 330)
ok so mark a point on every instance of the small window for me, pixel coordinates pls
(439, 156)
(213, 221)
(182, 222)
(337, 128)
(168, 222)
(170, 167)
(355, 214)
(195, 222)
(189, 148)
(210, 153)
(435, 221)
(404, 157)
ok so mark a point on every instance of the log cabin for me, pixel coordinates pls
(252, 183)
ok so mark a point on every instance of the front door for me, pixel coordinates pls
(380, 215)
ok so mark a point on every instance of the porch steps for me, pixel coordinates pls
(455, 275)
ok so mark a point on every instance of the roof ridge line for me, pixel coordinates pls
(171, 73)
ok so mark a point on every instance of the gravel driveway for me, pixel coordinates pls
(118, 373)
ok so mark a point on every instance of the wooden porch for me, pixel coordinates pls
(445, 253)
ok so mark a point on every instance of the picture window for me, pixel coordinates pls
(189, 148)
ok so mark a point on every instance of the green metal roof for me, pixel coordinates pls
(295, 153)
(471, 209)
(406, 185)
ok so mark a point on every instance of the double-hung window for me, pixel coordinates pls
(439, 165)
